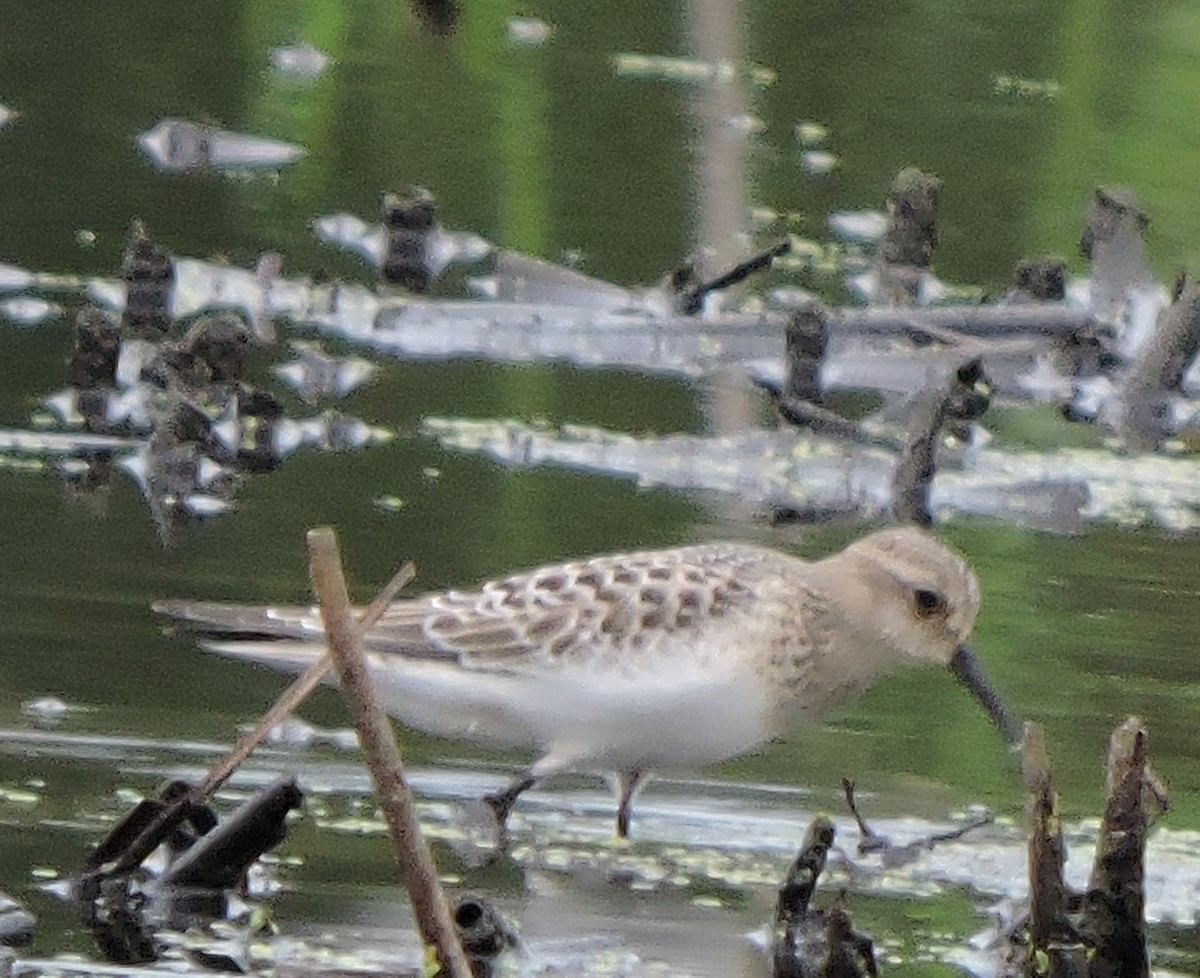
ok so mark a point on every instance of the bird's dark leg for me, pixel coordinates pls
(627, 785)
(501, 804)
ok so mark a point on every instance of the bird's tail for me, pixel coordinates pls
(287, 638)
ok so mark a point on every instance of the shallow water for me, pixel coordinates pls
(575, 150)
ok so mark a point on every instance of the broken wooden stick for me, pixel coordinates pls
(1102, 933)
(375, 735)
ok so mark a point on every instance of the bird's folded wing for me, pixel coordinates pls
(628, 605)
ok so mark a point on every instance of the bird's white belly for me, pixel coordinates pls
(654, 724)
(652, 719)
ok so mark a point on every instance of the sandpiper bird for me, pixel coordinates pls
(639, 661)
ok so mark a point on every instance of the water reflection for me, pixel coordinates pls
(304, 61)
(174, 410)
(179, 146)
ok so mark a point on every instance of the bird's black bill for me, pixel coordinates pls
(969, 672)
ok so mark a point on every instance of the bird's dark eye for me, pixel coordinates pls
(928, 603)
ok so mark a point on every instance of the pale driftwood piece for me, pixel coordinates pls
(432, 912)
(1044, 318)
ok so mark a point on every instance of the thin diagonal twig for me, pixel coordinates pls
(288, 701)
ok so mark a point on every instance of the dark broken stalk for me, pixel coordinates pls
(799, 401)
(814, 943)
(801, 881)
(1114, 916)
(1049, 926)
(789, 957)
(484, 933)
(181, 806)
(149, 275)
(439, 17)
(375, 735)
(850, 954)
(408, 223)
(964, 399)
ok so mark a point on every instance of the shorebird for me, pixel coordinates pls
(641, 661)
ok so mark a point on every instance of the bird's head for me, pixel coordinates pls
(924, 599)
(930, 593)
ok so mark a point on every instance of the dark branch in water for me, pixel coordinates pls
(893, 855)
(124, 909)
(868, 840)
(689, 298)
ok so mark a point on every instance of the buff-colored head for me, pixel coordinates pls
(920, 594)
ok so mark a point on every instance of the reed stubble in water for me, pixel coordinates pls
(635, 662)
